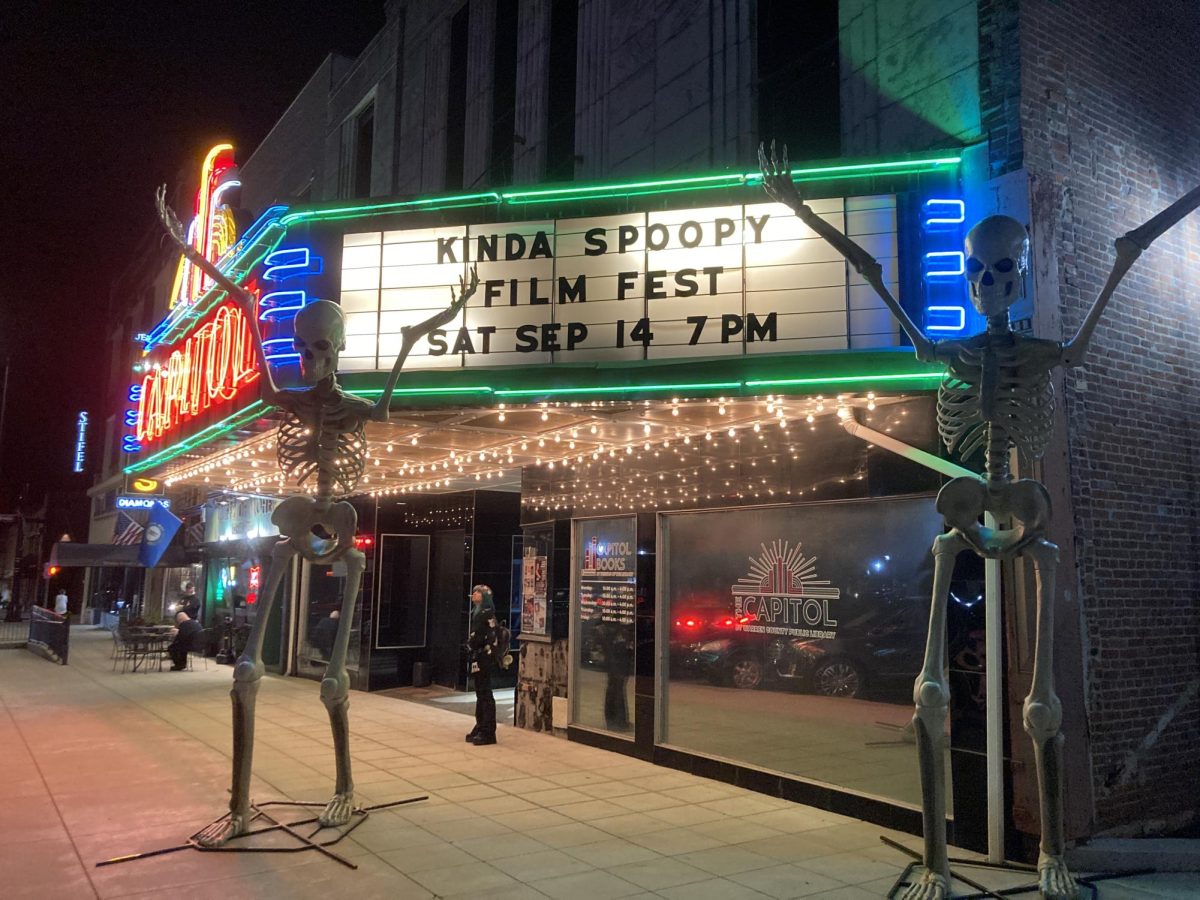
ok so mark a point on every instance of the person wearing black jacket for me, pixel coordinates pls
(483, 666)
(187, 636)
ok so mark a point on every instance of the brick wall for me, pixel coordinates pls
(1110, 130)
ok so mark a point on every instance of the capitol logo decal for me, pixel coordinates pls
(782, 594)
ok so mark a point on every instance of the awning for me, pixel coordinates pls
(68, 554)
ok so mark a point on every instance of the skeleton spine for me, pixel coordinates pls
(997, 453)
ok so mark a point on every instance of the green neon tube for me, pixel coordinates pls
(933, 377)
(619, 389)
(378, 392)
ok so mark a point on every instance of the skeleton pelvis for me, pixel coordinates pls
(320, 534)
(963, 500)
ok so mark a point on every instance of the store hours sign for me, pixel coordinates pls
(706, 281)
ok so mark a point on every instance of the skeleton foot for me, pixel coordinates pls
(337, 811)
(931, 886)
(1054, 881)
(223, 830)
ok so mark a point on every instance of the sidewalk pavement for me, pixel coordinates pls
(100, 764)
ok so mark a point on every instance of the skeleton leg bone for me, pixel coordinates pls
(1042, 715)
(931, 694)
(247, 674)
(335, 690)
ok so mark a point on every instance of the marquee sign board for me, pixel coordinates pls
(708, 281)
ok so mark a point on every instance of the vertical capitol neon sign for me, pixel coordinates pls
(212, 231)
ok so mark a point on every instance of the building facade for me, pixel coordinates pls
(660, 428)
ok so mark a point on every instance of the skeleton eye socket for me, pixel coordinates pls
(1005, 265)
(322, 345)
(298, 342)
(974, 266)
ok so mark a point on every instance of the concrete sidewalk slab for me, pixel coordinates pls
(100, 764)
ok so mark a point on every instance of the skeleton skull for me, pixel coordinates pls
(997, 257)
(320, 335)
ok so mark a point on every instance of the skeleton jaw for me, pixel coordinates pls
(314, 371)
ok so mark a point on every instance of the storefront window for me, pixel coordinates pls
(181, 590)
(605, 593)
(320, 618)
(795, 634)
(403, 591)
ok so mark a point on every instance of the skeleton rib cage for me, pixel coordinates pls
(337, 456)
(1023, 413)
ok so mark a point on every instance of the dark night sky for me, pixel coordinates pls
(101, 103)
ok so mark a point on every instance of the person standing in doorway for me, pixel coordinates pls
(483, 665)
(60, 602)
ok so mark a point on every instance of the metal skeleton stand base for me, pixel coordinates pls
(259, 812)
(982, 891)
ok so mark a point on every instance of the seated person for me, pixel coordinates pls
(187, 638)
(323, 635)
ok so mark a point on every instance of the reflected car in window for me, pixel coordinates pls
(879, 649)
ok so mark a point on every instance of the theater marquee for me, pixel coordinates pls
(709, 281)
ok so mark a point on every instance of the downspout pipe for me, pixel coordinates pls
(991, 600)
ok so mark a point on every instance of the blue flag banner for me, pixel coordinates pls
(160, 528)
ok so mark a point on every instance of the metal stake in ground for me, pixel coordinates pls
(237, 843)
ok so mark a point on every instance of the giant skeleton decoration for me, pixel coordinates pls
(322, 434)
(996, 395)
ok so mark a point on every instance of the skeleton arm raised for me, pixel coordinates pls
(270, 393)
(777, 181)
(1129, 248)
(418, 331)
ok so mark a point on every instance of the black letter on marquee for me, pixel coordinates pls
(569, 293)
(698, 321)
(664, 236)
(463, 343)
(446, 249)
(712, 272)
(625, 283)
(534, 299)
(730, 326)
(724, 229)
(654, 285)
(514, 246)
(577, 333)
(760, 331)
(527, 339)
(757, 226)
(626, 235)
(487, 331)
(437, 343)
(485, 247)
(594, 242)
(491, 291)
(541, 246)
(697, 230)
(550, 336)
(685, 283)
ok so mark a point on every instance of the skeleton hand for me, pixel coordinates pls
(777, 177)
(169, 219)
(465, 291)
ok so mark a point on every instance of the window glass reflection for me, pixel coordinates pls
(795, 634)
(605, 595)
